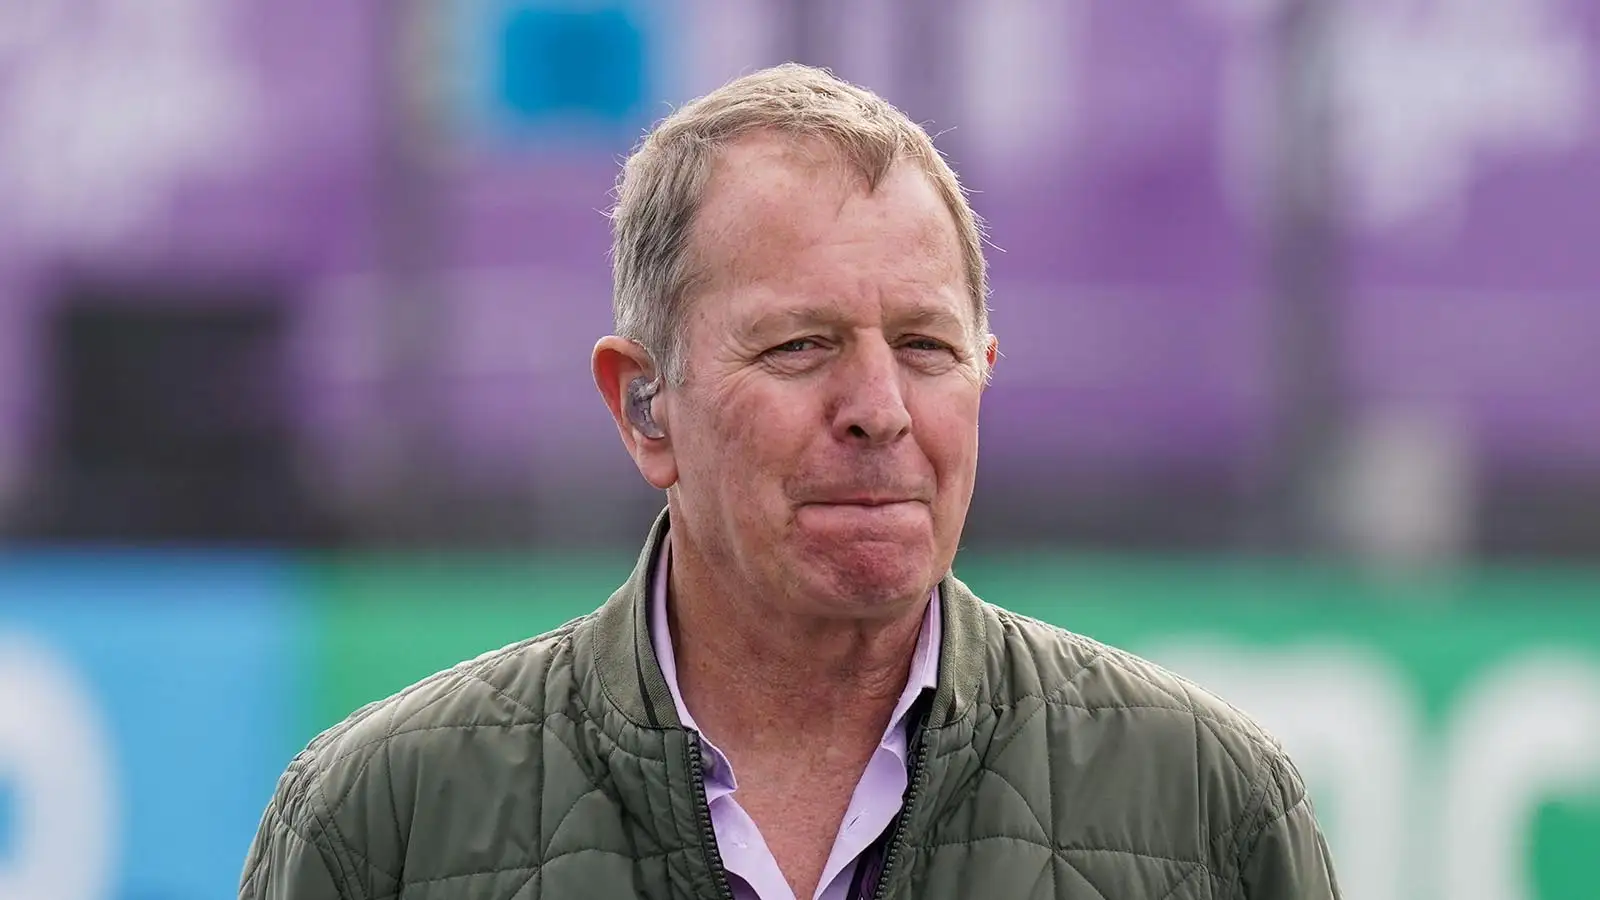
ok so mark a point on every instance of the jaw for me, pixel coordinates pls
(865, 575)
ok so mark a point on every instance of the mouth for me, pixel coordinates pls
(876, 512)
(871, 518)
(868, 502)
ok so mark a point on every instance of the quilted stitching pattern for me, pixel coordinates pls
(1082, 774)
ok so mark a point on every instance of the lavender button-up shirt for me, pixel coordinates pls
(752, 871)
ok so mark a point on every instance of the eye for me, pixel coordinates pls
(924, 344)
(798, 345)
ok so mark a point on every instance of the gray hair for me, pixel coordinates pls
(661, 186)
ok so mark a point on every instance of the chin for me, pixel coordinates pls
(872, 577)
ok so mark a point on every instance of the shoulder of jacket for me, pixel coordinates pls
(500, 689)
(1062, 667)
(1245, 780)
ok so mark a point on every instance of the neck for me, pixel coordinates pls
(760, 678)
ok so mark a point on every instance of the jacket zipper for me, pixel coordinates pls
(708, 832)
(902, 821)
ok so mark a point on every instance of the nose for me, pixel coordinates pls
(870, 405)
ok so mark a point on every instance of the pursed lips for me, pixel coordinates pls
(865, 500)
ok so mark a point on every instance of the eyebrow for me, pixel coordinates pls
(931, 317)
(828, 316)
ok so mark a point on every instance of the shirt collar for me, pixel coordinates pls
(924, 664)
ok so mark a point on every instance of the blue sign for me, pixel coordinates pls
(147, 706)
(8, 817)
(547, 71)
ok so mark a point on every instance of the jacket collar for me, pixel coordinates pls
(630, 675)
(625, 661)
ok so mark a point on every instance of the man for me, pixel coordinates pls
(792, 696)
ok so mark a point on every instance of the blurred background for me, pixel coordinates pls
(1298, 300)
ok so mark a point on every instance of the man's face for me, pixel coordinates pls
(826, 437)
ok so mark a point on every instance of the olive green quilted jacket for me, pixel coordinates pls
(1048, 766)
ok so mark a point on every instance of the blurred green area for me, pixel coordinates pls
(392, 619)
(1445, 722)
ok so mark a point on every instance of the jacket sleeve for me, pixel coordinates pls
(1289, 858)
(284, 864)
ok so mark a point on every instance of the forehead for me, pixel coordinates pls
(794, 217)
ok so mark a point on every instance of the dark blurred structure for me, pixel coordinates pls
(1280, 277)
(169, 422)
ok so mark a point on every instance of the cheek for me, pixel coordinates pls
(754, 442)
(949, 435)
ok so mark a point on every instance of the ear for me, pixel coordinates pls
(617, 362)
(991, 355)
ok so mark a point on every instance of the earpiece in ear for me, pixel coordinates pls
(640, 392)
